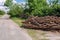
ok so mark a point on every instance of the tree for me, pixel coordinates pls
(53, 2)
(55, 7)
(8, 3)
(15, 10)
(36, 6)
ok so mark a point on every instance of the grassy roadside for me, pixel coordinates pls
(33, 33)
(18, 20)
(30, 31)
(1, 15)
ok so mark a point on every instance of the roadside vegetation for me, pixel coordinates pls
(40, 8)
(18, 20)
(1, 13)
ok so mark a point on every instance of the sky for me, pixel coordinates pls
(3, 1)
(15, 0)
(18, 1)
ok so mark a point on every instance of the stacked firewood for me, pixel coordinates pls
(46, 22)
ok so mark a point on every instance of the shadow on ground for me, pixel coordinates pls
(52, 30)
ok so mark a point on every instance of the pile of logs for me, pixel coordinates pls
(46, 22)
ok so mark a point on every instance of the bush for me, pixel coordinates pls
(2, 12)
(52, 11)
(57, 10)
(48, 11)
(42, 8)
(15, 10)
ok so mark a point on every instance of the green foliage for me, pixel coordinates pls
(53, 2)
(8, 3)
(2, 12)
(42, 8)
(36, 7)
(15, 10)
(56, 9)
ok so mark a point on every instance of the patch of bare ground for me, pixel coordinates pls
(43, 35)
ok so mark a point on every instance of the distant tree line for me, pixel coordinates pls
(34, 8)
(44, 7)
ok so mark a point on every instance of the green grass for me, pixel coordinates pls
(31, 32)
(1, 15)
(18, 20)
